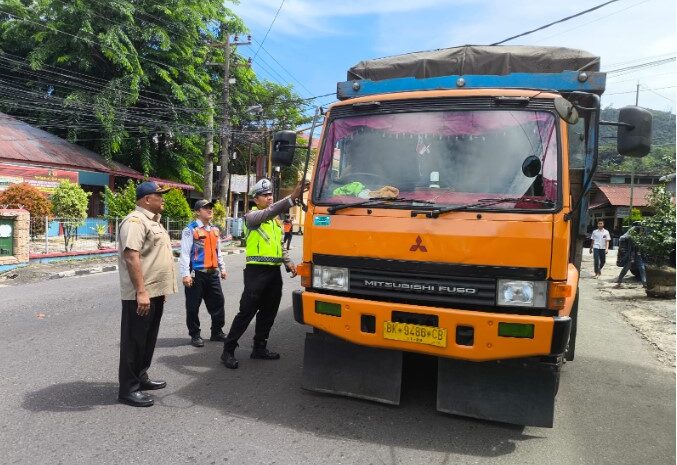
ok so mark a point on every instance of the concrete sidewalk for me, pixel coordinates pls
(653, 319)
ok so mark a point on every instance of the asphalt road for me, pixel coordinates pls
(59, 347)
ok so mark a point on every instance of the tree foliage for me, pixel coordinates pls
(120, 204)
(176, 206)
(69, 205)
(132, 79)
(661, 159)
(219, 219)
(657, 244)
(30, 198)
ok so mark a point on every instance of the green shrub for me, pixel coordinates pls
(176, 206)
(121, 203)
(29, 198)
(657, 244)
(69, 203)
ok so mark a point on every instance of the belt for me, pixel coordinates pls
(209, 270)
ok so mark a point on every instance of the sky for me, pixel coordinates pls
(312, 43)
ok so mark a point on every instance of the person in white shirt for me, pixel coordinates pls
(600, 246)
(201, 266)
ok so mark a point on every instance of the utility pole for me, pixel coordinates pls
(225, 122)
(634, 163)
(209, 154)
(249, 167)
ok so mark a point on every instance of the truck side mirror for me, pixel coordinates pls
(634, 131)
(284, 145)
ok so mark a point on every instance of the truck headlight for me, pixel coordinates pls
(329, 277)
(511, 293)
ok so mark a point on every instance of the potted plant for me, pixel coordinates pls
(657, 244)
(100, 229)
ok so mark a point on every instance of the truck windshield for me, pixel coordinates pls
(445, 158)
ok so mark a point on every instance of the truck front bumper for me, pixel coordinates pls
(470, 335)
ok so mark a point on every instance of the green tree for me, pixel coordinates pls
(176, 206)
(657, 244)
(30, 198)
(219, 215)
(635, 215)
(128, 79)
(69, 205)
(120, 204)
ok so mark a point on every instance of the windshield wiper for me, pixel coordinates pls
(374, 201)
(489, 202)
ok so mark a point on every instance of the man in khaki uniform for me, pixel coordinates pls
(147, 275)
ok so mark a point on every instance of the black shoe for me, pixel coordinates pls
(229, 360)
(264, 354)
(197, 341)
(219, 337)
(136, 399)
(153, 385)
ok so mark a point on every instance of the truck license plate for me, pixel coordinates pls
(415, 333)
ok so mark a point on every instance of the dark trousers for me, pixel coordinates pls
(138, 335)
(600, 259)
(637, 258)
(260, 298)
(205, 286)
(287, 240)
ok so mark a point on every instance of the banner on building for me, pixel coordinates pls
(45, 179)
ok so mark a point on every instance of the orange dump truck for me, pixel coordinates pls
(445, 218)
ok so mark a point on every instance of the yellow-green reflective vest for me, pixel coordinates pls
(264, 244)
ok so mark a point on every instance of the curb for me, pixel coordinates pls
(233, 251)
(95, 270)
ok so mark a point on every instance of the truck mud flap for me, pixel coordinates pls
(333, 366)
(517, 392)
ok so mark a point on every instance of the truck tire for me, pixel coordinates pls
(571, 346)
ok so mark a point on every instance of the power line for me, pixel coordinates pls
(269, 28)
(634, 91)
(580, 13)
(647, 64)
(594, 20)
(671, 100)
(283, 68)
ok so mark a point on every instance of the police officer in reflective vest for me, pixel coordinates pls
(262, 276)
(201, 266)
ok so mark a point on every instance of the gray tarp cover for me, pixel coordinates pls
(476, 59)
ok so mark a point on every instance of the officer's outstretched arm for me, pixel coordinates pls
(255, 217)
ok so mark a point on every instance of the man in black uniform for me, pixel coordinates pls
(262, 278)
(201, 266)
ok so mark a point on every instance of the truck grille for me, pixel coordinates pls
(426, 283)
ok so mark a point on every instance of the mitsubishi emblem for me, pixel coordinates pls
(418, 246)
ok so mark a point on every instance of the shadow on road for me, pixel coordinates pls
(69, 397)
(171, 342)
(270, 392)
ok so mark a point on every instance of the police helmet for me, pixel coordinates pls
(263, 186)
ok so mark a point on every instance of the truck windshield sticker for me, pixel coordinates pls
(322, 221)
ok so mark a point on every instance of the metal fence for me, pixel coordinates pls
(50, 235)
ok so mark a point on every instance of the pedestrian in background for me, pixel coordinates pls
(147, 276)
(632, 256)
(262, 277)
(287, 227)
(201, 266)
(600, 246)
